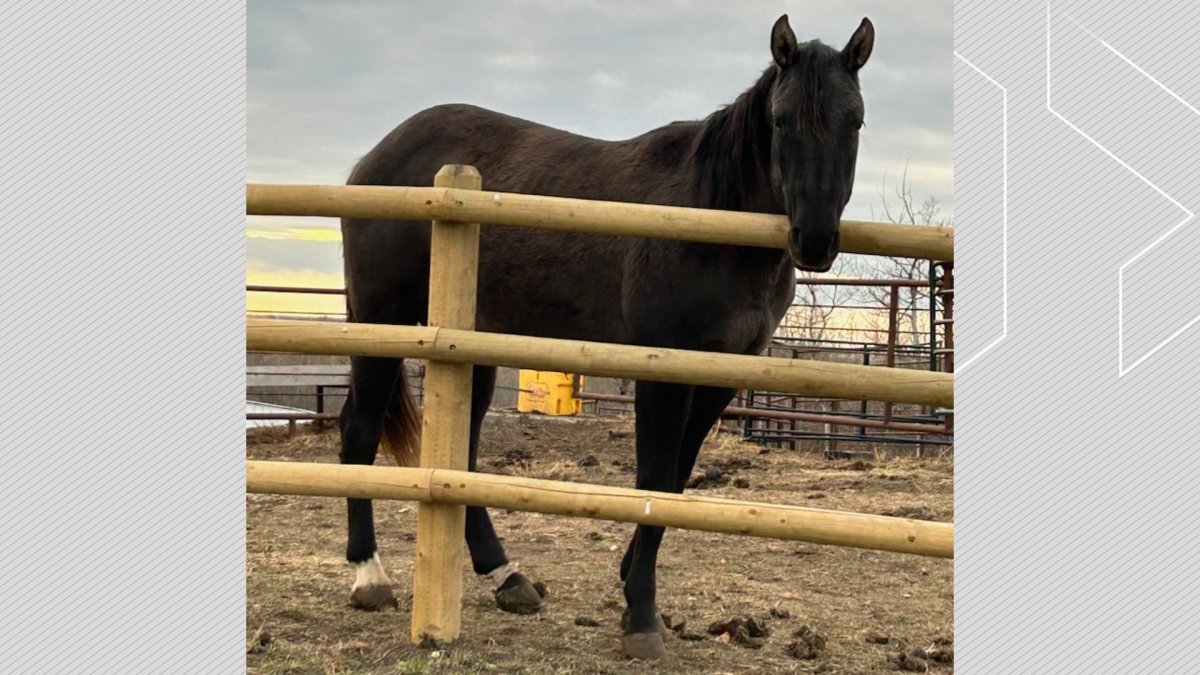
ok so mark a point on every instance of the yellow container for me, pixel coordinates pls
(548, 392)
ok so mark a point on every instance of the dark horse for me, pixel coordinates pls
(787, 145)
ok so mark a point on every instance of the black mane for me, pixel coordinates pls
(733, 148)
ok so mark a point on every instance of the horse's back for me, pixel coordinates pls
(559, 284)
(572, 279)
(509, 152)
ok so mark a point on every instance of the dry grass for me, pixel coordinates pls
(298, 582)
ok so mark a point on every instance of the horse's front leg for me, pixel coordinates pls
(707, 405)
(514, 591)
(662, 411)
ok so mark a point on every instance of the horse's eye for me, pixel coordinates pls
(777, 123)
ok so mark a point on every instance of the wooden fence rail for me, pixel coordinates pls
(810, 378)
(712, 514)
(580, 215)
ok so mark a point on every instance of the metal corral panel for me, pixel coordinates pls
(256, 407)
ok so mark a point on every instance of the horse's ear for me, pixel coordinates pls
(783, 42)
(858, 49)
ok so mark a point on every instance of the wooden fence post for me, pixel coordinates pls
(438, 572)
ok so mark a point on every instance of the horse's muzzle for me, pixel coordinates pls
(815, 251)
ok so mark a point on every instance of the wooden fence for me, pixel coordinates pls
(442, 486)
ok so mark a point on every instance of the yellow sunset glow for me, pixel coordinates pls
(321, 234)
(287, 303)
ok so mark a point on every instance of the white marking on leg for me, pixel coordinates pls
(370, 573)
(502, 573)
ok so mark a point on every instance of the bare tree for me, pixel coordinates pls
(903, 208)
(812, 312)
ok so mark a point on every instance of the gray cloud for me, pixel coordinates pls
(327, 81)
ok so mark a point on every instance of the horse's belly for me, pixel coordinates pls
(532, 291)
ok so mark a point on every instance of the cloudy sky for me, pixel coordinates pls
(327, 80)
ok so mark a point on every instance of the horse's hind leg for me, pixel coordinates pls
(514, 592)
(371, 383)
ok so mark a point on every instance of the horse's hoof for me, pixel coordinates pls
(518, 596)
(373, 598)
(658, 622)
(645, 646)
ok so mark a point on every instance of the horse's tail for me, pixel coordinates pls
(401, 437)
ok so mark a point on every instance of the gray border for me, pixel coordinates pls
(122, 268)
(1076, 461)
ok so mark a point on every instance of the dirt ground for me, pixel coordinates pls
(815, 609)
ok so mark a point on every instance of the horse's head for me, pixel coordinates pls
(816, 111)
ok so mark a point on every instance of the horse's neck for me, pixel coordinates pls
(751, 192)
(761, 199)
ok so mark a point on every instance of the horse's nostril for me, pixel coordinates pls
(836, 245)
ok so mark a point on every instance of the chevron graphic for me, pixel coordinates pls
(973, 358)
(1124, 368)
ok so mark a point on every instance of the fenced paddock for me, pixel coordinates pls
(450, 346)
